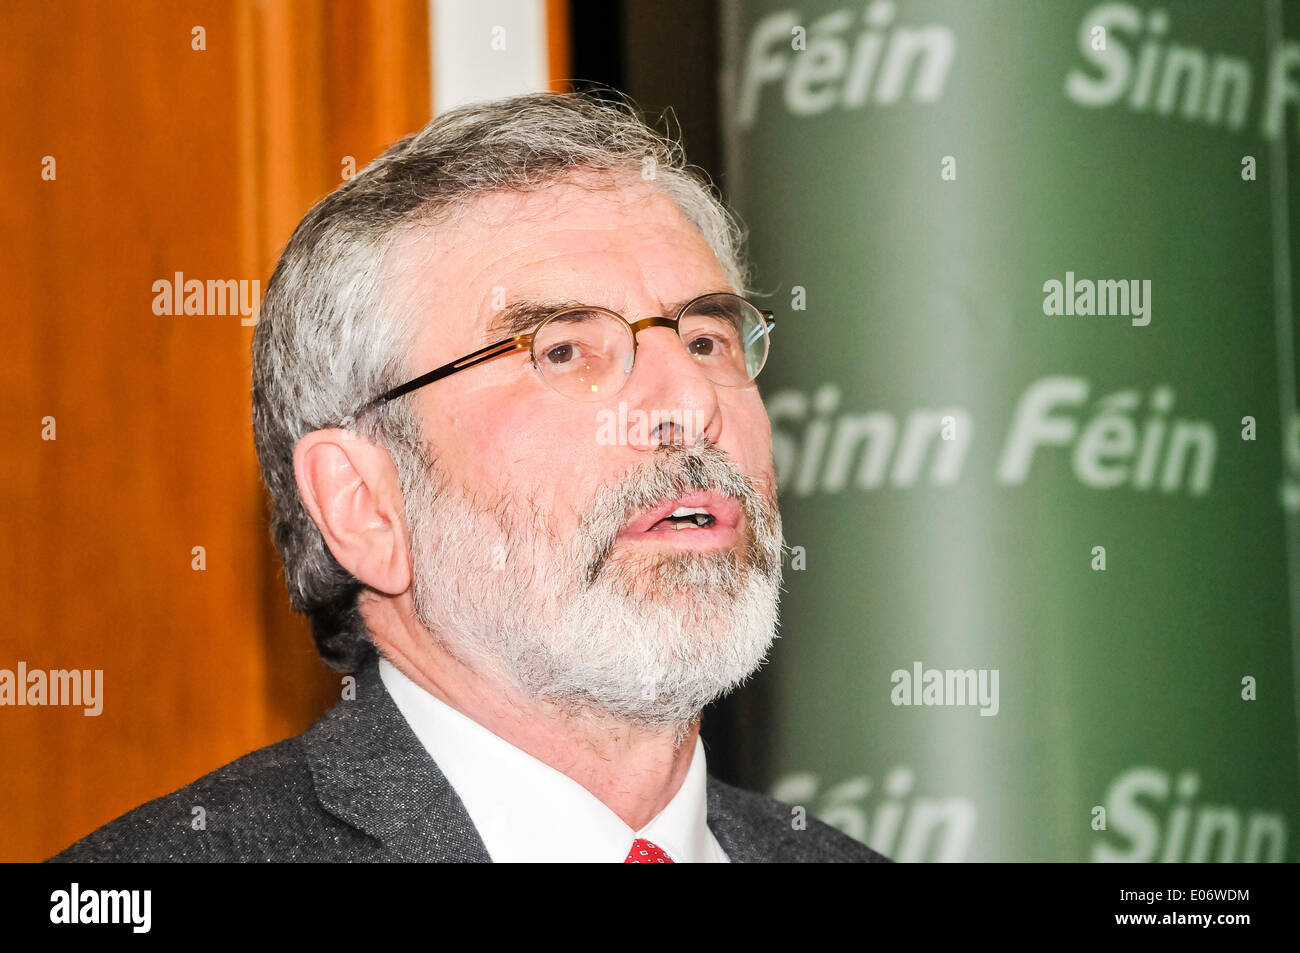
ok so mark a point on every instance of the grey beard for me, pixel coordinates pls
(648, 637)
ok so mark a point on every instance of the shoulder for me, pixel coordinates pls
(262, 806)
(763, 828)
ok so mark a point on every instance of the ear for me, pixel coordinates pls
(350, 488)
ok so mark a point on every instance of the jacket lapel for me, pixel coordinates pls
(371, 772)
(734, 836)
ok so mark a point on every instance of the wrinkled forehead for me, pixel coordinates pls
(621, 245)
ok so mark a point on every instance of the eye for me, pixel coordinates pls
(704, 346)
(712, 344)
(560, 354)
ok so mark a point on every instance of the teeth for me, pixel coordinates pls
(691, 517)
(687, 517)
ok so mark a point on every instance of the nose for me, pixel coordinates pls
(671, 388)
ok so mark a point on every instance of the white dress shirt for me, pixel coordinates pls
(526, 811)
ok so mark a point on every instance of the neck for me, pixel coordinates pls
(633, 770)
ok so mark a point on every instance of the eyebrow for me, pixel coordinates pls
(521, 316)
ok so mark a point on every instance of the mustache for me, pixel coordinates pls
(673, 470)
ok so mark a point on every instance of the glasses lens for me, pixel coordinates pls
(584, 354)
(728, 336)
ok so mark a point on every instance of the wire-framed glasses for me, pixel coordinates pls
(587, 353)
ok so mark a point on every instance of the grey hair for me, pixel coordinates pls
(329, 338)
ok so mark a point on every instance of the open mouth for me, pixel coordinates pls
(686, 517)
(704, 517)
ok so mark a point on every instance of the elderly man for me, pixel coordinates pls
(522, 482)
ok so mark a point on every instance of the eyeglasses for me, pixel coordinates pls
(587, 353)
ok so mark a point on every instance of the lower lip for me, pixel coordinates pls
(702, 537)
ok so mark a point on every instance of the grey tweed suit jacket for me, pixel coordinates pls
(358, 786)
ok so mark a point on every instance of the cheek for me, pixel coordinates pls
(753, 435)
(539, 456)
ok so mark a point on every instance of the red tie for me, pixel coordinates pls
(645, 852)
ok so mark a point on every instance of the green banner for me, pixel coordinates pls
(1032, 391)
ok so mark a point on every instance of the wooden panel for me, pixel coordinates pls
(559, 68)
(168, 159)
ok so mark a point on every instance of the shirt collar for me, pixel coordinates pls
(526, 811)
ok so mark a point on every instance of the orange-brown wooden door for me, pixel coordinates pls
(132, 154)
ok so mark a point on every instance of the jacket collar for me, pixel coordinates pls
(732, 834)
(371, 772)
